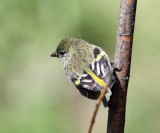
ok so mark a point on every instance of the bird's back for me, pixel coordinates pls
(91, 57)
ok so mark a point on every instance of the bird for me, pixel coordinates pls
(87, 66)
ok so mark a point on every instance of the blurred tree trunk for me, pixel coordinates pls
(122, 61)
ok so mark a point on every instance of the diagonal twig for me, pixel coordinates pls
(116, 116)
(96, 108)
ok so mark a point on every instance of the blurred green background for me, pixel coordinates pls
(36, 96)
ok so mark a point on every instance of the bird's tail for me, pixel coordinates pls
(105, 103)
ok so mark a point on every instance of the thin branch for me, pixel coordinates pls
(122, 61)
(116, 116)
(96, 108)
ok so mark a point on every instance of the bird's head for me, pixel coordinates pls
(63, 48)
(66, 46)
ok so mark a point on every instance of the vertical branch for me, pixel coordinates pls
(123, 51)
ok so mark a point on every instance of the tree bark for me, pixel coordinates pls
(122, 61)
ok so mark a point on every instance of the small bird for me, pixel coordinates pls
(87, 66)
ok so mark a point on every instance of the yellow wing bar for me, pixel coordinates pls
(97, 79)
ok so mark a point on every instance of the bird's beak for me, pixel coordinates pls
(54, 54)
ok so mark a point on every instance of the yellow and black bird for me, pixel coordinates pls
(87, 66)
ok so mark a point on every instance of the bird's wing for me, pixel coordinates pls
(95, 75)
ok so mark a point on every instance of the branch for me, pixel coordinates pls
(96, 108)
(122, 61)
(123, 51)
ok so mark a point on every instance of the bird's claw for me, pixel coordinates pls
(118, 69)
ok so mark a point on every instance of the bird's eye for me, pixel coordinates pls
(62, 53)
